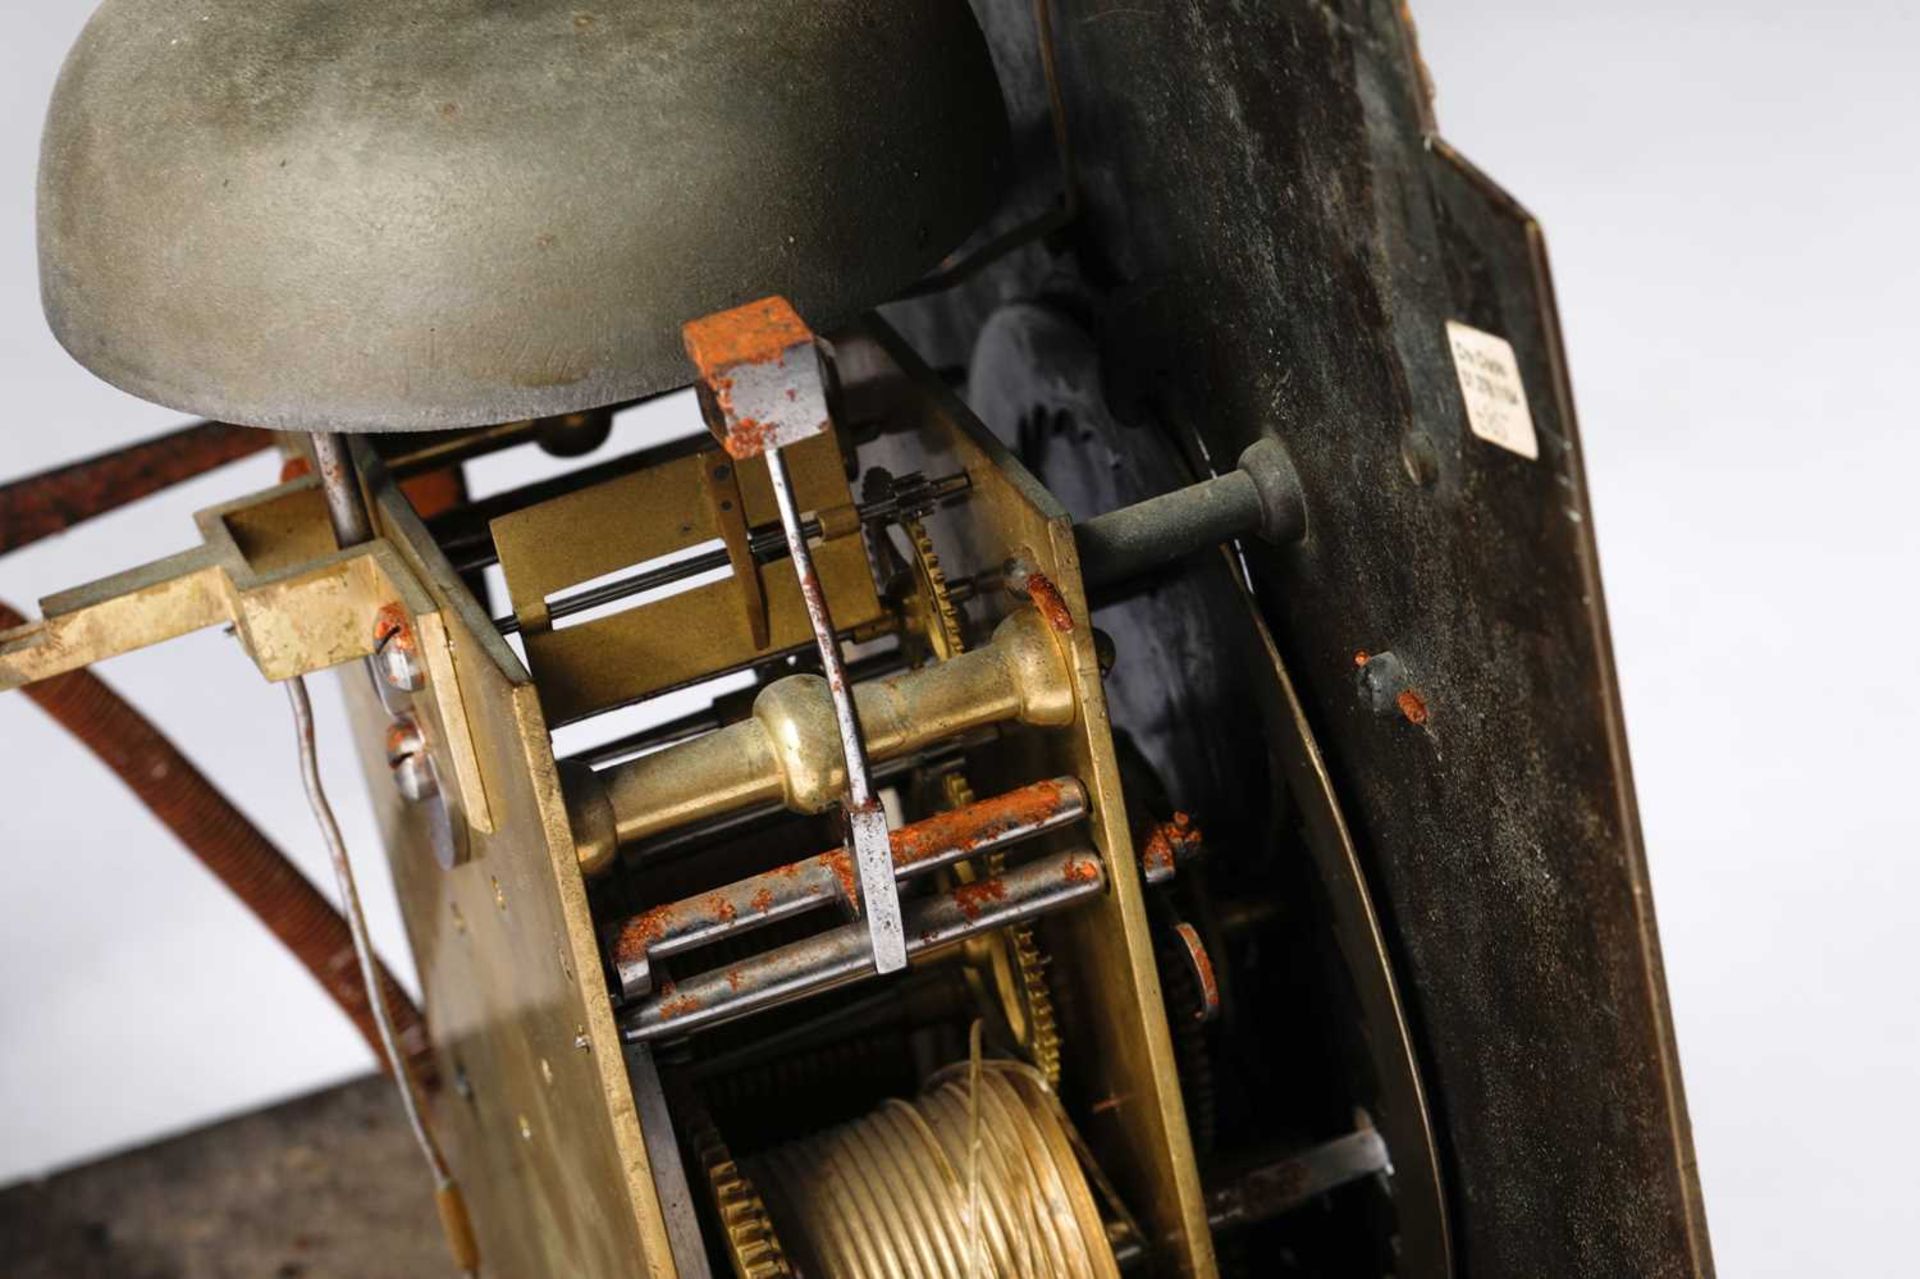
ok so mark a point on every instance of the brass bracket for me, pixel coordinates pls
(722, 484)
(268, 568)
(633, 520)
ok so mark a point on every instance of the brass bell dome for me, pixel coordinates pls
(362, 215)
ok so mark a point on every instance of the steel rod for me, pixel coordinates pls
(346, 505)
(766, 545)
(866, 820)
(843, 956)
(353, 526)
(999, 822)
(1267, 1191)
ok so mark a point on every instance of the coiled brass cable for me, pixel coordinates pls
(890, 1195)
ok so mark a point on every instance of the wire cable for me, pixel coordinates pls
(231, 847)
(453, 1214)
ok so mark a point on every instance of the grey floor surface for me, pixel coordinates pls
(328, 1186)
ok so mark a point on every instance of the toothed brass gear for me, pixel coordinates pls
(931, 615)
(1017, 967)
(1043, 1037)
(752, 1246)
(1010, 959)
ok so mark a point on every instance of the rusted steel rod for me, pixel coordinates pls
(673, 928)
(340, 484)
(842, 956)
(227, 844)
(863, 815)
(54, 501)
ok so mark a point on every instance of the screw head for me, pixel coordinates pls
(401, 670)
(415, 779)
(408, 758)
(396, 652)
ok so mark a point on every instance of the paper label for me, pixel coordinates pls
(1490, 384)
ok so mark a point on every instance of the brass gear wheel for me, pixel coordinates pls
(1011, 959)
(1043, 1038)
(932, 617)
(752, 1246)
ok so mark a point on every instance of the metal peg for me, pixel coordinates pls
(1261, 497)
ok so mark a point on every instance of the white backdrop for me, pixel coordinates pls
(1729, 191)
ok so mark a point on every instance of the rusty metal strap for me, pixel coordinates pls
(54, 501)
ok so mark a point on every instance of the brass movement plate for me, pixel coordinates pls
(535, 1112)
(1118, 1063)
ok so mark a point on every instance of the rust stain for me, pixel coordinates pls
(761, 332)
(678, 1006)
(841, 865)
(984, 823)
(1361, 657)
(1046, 597)
(435, 492)
(757, 333)
(733, 979)
(1169, 843)
(1081, 870)
(646, 930)
(391, 629)
(965, 830)
(973, 898)
(1413, 706)
(638, 935)
(746, 436)
(403, 739)
(295, 468)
